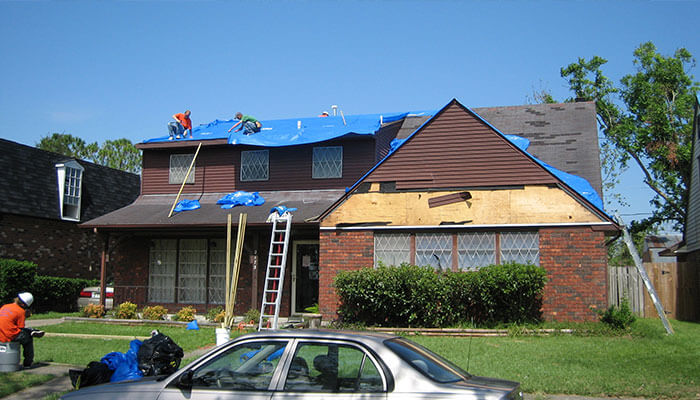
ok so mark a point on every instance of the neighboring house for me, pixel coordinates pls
(455, 193)
(45, 196)
(656, 248)
(690, 251)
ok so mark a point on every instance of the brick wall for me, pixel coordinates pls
(59, 248)
(576, 264)
(340, 251)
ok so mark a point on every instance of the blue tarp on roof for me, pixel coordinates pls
(296, 131)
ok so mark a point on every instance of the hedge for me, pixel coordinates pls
(414, 296)
(15, 277)
(58, 294)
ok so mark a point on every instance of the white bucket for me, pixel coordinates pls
(9, 357)
(223, 335)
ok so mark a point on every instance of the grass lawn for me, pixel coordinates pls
(15, 381)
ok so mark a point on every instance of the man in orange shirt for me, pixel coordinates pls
(12, 328)
(181, 127)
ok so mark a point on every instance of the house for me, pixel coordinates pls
(658, 248)
(453, 192)
(45, 197)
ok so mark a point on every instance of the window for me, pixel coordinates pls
(427, 362)
(327, 162)
(192, 273)
(162, 266)
(392, 248)
(435, 250)
(217, 271)
(247, 366)
(70, 179)
(255, 165)
(476, 249)
(179, 165)
(520, 247)
(331, 367)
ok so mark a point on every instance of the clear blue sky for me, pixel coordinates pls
(103, 70)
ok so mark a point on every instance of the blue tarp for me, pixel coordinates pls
(295, 131)
(124, 365)
(187, 205)
(241, 198)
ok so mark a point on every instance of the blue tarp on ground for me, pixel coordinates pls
(294, 131)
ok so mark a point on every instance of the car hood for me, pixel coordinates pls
(145, 388)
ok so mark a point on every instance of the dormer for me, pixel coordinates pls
(69, 178)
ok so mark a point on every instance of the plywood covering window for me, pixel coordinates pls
(187, 271)
(457, 251)
(327, 162)
(255, 165)
(179, 164)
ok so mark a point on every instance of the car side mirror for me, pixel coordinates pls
(184, 381)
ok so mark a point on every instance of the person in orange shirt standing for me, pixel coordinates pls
(181, 127)
(12, 328)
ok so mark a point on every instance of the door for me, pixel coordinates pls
(304, 275)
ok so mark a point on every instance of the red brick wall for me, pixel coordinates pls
(130, 267)
(340, 251)
(576, 264)
(59, 248)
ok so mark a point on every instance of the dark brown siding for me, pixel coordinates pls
(456, 149)
(384, 138)
(217, 168)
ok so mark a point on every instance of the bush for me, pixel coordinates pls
(126, 310)
(409, 295)
(93, 311)
(215, 314)
(154, 313)
(618, 317)
(58, 294)
(252, 315)
(15, 277)
(186, 314)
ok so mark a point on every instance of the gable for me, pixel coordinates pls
(458, 149)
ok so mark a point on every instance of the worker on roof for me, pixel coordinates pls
(181, 127)
(250, 124)
(324, 114)
(12, 328)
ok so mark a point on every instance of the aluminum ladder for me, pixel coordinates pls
(274, 276)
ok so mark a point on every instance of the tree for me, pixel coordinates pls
(647, 120)
(119, 154)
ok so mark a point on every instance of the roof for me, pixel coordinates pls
(30, 185)
(151, 211)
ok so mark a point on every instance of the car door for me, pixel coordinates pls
(244, 371)
(331, 370)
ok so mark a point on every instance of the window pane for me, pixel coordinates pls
(217, 271)
(476, 249)
(327, 162)
(179, 164)
(255, 165)
(161, 279)
(392, 248)
(520, 247)
(71, 192)
(434, 249)
(248, 366)
(192, 272)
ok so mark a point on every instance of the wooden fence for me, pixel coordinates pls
(625, 282)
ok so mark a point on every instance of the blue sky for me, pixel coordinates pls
(110, 69)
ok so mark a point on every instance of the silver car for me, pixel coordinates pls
(312, 364)
(91, 295)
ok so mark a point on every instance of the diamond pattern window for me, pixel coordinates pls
(520, 247)
(192, 271)
(162, 266)
(476, 249)
(255, 165)
(327, 162)
(179, 164)
(392, 248)
(435, 250)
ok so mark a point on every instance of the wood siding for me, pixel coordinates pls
(692, 224)
(457, 149)
(217, 169)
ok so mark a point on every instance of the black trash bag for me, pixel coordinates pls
(159, 355)
(95, 374)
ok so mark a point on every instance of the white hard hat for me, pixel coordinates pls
(26, 298)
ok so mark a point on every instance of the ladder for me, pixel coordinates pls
(274, 277)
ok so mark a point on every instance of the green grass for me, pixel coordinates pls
(16, 381)
(53, 315)
(645, 363)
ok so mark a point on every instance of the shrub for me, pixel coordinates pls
(126, 310)
(252, 315)
(215, 314)
(58, 294)
(93, 311)
(15, 277)
(154, 313)
(312, 309)
(186, 314)
(618, 317)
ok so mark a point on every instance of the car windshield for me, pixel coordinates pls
(427, 362)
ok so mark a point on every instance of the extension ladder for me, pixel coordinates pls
(274, 277)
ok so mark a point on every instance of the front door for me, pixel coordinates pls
(304, 275)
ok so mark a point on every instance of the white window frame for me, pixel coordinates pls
(327, 162)
(252, 160)
(394, 255)
(435, 250)
(179, 164)
(69, 177)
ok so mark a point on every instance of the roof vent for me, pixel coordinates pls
(335, 110)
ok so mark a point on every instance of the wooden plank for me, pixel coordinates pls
(448, 199)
